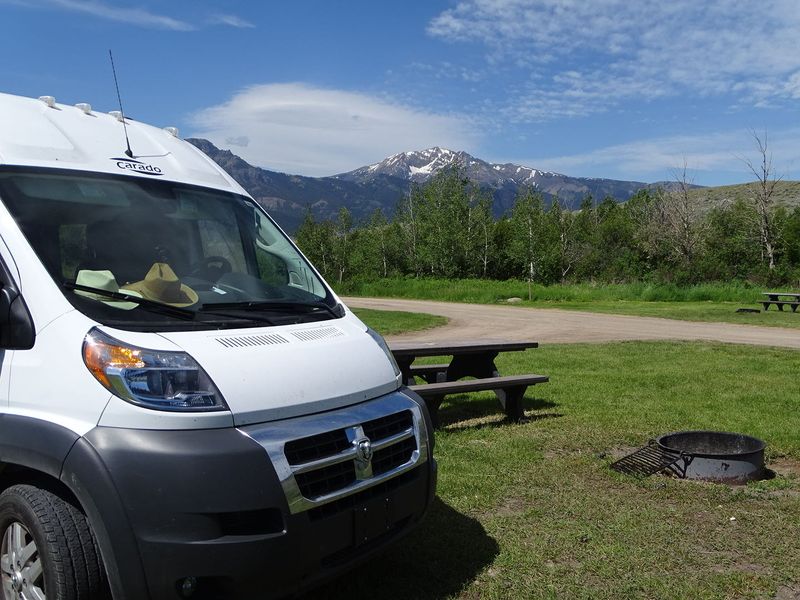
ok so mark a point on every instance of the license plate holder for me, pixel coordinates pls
(371, 520)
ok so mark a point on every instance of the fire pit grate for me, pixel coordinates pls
(708, 455)
(648, 460)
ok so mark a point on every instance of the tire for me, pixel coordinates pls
(60, 559)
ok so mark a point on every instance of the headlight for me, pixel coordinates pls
(382, 343)
(150, 378)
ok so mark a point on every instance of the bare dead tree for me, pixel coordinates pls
(762, 198)
(670, 224)
(681, 214)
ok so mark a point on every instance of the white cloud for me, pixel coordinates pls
(657, 159)
(231, 21)
(133, 16)
(297, 128)
(583, 57)
(139, 17)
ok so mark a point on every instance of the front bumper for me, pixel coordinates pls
(209, 504)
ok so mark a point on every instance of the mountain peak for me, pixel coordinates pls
(381, 185)
(420, 165)
(413, 165)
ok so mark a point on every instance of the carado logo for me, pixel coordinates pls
(128, 164)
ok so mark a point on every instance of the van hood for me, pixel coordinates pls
(274, 373)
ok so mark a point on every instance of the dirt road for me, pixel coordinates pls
(484, 322)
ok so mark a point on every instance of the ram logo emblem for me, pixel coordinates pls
(364, 451)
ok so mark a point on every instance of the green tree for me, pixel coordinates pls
(443, 224)
(376, 254)
(407, 219)
(733, 251)
(566, 249)
(480, 235)
(316, 240)
(527, 236)
(342, 242)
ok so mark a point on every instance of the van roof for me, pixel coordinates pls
(43, 133)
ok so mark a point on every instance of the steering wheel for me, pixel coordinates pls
(211, 268)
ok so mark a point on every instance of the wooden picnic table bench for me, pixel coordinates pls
(510, 391)
(781, 299)
(469, 359)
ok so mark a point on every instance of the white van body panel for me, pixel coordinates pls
(273, 373)
(50, 381)
(64, 137)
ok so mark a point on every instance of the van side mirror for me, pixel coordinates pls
(16, 325)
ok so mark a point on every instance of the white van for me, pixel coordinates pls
(187, 410)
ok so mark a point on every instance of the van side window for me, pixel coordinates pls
(271, 269)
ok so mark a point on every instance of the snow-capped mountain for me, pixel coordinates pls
(504, 180)
(383, 184)
(420, 165)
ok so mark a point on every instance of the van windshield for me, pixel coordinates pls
(144, 254)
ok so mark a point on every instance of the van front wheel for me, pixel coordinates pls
(47, 551)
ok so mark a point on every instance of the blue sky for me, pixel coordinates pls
(600, 88)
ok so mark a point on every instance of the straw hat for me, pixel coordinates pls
(162, 285)
(104, 280)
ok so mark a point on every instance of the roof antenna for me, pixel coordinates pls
(128, 152)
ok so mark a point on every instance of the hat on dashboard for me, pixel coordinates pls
(163, 285)
(104, 280)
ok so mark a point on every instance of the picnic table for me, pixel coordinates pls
(468, 359)
(780, 299)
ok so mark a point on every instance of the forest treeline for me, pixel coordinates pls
(445, 229)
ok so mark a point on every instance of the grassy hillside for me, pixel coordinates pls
(787, 193)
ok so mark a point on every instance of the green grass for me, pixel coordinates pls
(707, 302)
(389, 322)
(531, 510)
(715, 312)
(485, 291)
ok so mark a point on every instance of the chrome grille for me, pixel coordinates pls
(392, 456)
(316, 446)
(326, 480)
(323, 458)
(388, 425)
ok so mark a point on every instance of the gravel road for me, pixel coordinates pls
(485, 322)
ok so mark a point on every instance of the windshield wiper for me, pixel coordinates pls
(151, 305)
(210, 309)
(279, 305)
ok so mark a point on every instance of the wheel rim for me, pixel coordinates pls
(21, 565)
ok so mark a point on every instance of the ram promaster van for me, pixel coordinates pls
(187, 410)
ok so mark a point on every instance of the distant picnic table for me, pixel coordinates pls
(468, 359)
(781, 299)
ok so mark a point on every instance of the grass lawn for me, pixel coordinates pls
(531, 510)
(721, 312)
(395, 321)
(706, 302)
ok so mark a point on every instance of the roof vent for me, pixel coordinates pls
(173, 131)
(86, 108)
(49, 100)
(116, 114)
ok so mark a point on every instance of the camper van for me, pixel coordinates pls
(187, 410)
